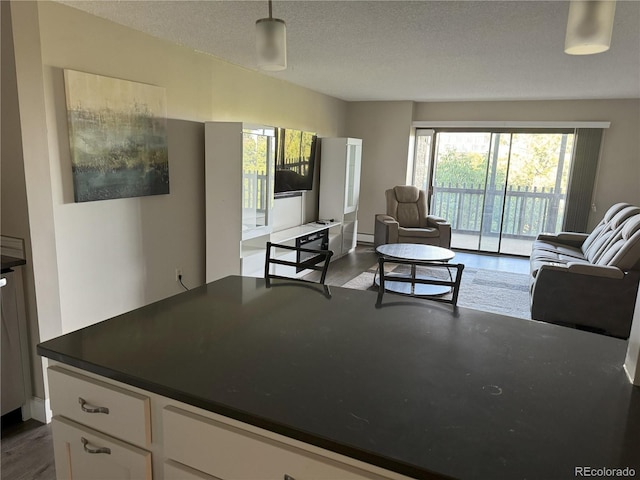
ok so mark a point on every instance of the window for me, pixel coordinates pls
(498, 188)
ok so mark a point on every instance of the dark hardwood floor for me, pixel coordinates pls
(27, 447)
(352, 265)
(27, 451)
(364, 257)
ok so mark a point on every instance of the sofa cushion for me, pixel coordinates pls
(418, 232)
(408, 205)
(608, 216)
(408, 215)
(547, 246)
(624, 250)
(557, 243)
(406, 193)
(554, 256)
(596, 248)
(537, 263)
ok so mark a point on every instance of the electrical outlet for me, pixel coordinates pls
(178, 273)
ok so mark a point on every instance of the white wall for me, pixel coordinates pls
(117, 255)
(385, 126)
(31, 172)
(15, 212)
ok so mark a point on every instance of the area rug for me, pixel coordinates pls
(487, 290)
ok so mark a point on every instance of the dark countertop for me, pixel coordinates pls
(411, 386)
(9, 262)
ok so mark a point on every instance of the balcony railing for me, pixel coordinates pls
(254, 188)
(254, 184)
(472, 209)
(528, 211)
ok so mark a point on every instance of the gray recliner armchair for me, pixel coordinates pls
(408, 221)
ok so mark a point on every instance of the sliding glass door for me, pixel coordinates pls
(499, 189)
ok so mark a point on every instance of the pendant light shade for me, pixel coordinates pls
(589, 26)
(271, 43)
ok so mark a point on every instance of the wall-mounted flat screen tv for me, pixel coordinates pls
(295, 161)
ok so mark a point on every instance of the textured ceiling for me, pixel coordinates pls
(401, 50)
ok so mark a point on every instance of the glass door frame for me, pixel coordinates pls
(433, 132)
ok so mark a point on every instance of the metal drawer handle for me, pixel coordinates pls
(288, 477)
(90, 409)
(88, 449)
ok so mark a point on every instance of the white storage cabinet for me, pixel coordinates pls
(103, 430)
(340, 190)
(239, 169)
(100, 431)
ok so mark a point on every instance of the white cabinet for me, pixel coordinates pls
(82, 453)
(14, 343)
(239, 165)
(188, 443)
(222, 451)
(100, 431)
(112, 410)
(340, 189)
(176, 471)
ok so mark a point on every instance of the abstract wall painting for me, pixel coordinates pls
(117, 137)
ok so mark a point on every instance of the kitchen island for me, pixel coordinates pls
(412, 389)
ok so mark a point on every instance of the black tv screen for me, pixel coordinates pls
(295, 161)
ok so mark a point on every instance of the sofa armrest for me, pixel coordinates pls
(443, 226)
(435, 221)
(566, 238)
(381, 217)
(385, 230)
(603, 271)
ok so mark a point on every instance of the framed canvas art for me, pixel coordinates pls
(117, 137)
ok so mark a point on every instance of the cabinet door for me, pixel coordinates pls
(176, 471)
(258, 151)
(107, 408)
(13, 391)
(85, 454)
(229, 453)
(352, 183)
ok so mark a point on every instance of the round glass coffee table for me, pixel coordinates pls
(424, 255)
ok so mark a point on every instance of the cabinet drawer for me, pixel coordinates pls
(82, 453)
(79, 398)
(229, 453)
(177, 471)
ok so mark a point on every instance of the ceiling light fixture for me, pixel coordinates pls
(589, 26)
(271, 43)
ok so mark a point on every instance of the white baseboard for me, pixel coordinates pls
(40, 409)
(365, 238)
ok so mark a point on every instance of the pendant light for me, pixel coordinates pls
(271, 43)
(589, 26)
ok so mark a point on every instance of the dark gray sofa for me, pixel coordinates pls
(589, 281)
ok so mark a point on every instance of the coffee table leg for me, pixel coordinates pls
(413, 277)
(375, 275)
(381, 282)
